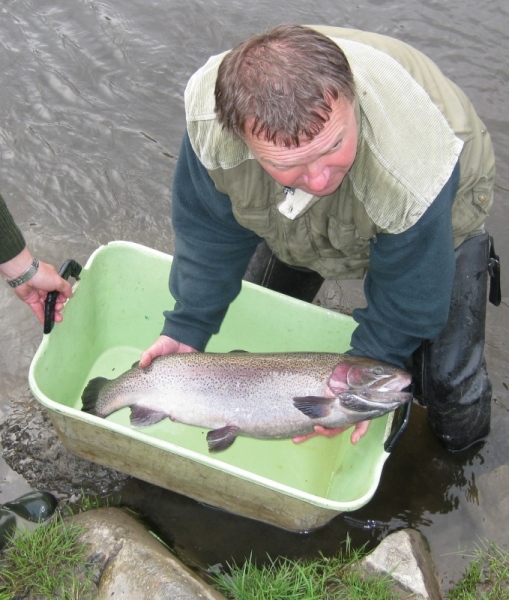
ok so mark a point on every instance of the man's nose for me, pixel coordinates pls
(317, 177)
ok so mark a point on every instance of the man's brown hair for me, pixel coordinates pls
(282, 82)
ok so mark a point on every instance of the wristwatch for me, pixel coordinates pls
(26, 275)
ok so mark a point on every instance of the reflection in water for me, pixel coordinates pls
(369, 525)
(91, 117)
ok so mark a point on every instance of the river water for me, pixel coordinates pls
(91, 117)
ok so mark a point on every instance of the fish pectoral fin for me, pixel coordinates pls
(141, 416)
(222, 438)
(314, 407)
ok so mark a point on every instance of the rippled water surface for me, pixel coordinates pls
(91, 116)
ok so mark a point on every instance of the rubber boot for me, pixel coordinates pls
(7, 526)
(269, 272)
(25, 514)
(34, 506)
(450, 376)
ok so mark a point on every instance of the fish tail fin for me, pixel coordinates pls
(222, 438)
(314, 407)
(91, 393)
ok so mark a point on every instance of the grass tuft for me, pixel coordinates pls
(287, 579)
(487, 577)
(47, 562)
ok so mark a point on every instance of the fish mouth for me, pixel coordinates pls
(392, 390)
(389, 397)
(367, 399)
(391, 383)
(394, 393)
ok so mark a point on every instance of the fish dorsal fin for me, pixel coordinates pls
(314, 407)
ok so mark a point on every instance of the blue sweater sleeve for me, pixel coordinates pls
(408, 286)
(212, 251)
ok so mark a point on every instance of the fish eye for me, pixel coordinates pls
(378, 370)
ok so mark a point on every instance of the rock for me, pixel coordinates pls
(406, 556)
(131, 563)
(32, 448)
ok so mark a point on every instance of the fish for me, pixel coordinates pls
(259, 395)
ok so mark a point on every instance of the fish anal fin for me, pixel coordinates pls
(314, 407)
(222, 438)
(141, 416)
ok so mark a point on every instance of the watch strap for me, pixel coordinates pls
(26, 275)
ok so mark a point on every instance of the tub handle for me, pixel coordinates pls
(70, 268)
(402, 420)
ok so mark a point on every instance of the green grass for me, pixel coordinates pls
(487, 577)
(50, 562)
(87, 502)
(47, 562)
(320, 579)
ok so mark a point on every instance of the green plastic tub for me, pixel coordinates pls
(115, 313)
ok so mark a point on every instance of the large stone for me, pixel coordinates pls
(131, 563)
(406, 557)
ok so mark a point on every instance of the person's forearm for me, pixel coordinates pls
(29, 279)
(18, 265)
(12, 241)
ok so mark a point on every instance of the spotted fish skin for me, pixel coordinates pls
(261, 395)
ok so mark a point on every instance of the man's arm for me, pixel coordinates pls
(212, 251)
(408, 290)
(408, 286)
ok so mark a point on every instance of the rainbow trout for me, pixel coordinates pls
(263, 396)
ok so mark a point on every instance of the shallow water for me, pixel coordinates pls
(91, 116)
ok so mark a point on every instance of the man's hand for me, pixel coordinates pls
(359, 431)
(161, 347)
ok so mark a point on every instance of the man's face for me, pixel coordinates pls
(317, 166)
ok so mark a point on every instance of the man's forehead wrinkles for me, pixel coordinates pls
(315, 149)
